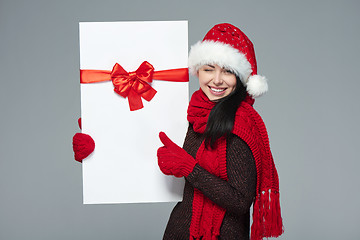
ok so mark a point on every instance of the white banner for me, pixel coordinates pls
(123, 168)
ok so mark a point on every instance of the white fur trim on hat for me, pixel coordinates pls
(210, 52)
(256, 85)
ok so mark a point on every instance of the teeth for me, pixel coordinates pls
(217, 90)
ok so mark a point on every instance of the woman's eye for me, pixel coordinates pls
(228, 71)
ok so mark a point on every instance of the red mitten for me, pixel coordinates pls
(174, 160)
(83, 145)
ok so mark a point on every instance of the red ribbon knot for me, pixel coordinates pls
(134, 85)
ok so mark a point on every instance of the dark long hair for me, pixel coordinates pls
(222, 116)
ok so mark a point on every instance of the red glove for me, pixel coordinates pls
(174, 160)
(83, 145)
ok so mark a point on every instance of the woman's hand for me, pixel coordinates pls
(174, 160)
(83, 145)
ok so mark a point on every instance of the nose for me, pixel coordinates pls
(218, 78)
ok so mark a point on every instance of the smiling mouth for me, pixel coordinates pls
(217, 90)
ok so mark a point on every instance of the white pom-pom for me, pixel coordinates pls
(256, 85)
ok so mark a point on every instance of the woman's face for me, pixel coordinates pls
(216, 82)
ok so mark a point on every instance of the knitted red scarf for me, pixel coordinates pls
(207, 217)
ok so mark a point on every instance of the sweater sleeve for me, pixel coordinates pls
(235, 195)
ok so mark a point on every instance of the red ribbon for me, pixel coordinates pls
(134, 85)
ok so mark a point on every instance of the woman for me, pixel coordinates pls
(226, 159)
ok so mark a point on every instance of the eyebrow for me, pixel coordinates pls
(211, 66)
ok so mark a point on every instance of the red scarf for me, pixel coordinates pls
(207, 217)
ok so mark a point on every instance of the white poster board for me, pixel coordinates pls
(123, 168)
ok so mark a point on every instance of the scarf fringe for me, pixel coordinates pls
(267, 221)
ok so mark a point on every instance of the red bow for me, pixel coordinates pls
(134, 85)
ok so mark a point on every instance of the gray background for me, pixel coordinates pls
(309, 50)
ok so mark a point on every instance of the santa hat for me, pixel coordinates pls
(228, 47)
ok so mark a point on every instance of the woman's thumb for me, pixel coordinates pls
(165, 139)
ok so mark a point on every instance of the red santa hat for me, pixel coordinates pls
(228, 47)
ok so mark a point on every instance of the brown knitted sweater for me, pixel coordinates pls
(235, 195)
